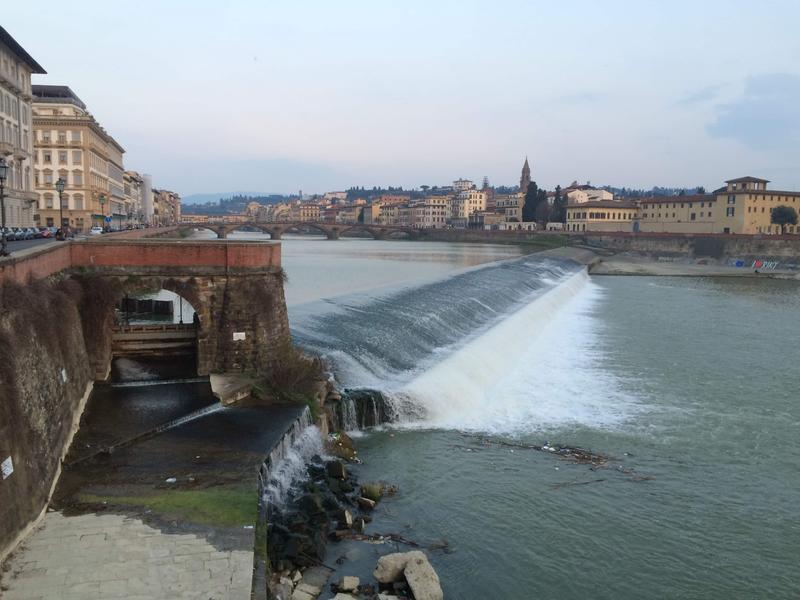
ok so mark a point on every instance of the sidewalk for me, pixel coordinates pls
(93, 556)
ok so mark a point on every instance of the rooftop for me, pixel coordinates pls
(602, 204)
(57, 94)
(14, 46)
(672, 199)
(749, 178)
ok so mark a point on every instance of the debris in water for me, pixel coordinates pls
(170, 480)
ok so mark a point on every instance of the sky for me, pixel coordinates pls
(278, 96)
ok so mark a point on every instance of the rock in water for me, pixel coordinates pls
(390, 567)
(344, 597)
(348, 584)
(282, 588)
(366, 503)
(336, 470)
(422, 579)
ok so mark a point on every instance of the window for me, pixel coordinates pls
(693, 216)
(62, 157)
(77, 201)
(48, 200)
(77, 178)
(47, 157)
(77, 156)
(730, 212)
(76, 136)
(731, 199)
(62, 137)
(48, 176)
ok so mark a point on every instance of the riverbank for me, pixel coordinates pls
(629, 264)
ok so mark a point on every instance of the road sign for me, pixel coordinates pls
(108, 219)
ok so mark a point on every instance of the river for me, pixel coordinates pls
(685, 384)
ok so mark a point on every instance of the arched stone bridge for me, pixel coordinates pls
(331, 230)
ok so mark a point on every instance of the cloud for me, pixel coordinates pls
(699, 96)
(765, 116)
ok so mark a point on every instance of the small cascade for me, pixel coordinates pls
(360, 409)
(152, 382)
(286, 462)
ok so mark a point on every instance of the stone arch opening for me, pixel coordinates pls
(250, 228)
(400, 234)
(358, 232)
(306, 229)
(158, 321)
(199, 232)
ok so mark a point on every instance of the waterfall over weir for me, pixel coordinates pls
(497, 348)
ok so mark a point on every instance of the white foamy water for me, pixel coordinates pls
(536, 369)
(290, 468)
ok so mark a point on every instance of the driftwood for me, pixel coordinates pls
(374, 537)
(572, 454)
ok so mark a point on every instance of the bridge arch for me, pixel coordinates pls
(373, 232)
(218, 230)
(321, 228)
(249, 226)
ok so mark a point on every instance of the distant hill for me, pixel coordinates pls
(232, 205)
(217, 196)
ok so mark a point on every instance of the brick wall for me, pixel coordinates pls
(147, 255)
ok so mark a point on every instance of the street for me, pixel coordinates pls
(24, 244)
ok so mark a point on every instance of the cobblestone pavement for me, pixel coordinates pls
(113, 556)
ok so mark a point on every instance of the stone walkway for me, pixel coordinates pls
(113, 556)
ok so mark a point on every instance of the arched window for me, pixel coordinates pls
(77, 178)
(77, 201)
(48, 200)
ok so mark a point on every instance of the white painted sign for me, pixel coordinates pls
(7, 466)
(239, 336)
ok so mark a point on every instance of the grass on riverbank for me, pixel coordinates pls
(215, 507)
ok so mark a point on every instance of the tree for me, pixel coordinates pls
(701, 189)
(542, 212)
(531, 200)
(783, 216)
(559, 214)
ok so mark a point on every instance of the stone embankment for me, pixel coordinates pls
(331, 507)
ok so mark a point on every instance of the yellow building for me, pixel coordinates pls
(70, 144)
(602, 215)
(746, 207)
(679, 214)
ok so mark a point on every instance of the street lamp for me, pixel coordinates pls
(60, 183)
(102, 210)
(3, 175)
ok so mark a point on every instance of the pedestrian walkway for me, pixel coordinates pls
(104, 556)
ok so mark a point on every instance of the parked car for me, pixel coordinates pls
(96, 230)
(11, 235)
(21, 233)
(45, 232)
(35, 233)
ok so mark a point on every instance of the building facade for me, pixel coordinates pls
(166, 208)
(743, 206)
(602, 216)
(746, 204)
(70, 144)
(16, 130)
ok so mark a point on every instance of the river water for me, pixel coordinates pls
(686, 385)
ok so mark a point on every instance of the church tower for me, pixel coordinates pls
(525, 180)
